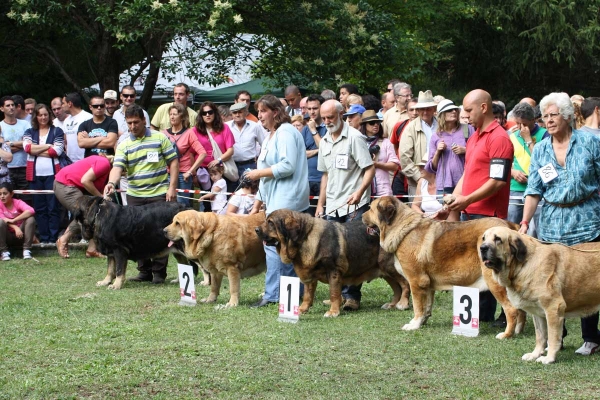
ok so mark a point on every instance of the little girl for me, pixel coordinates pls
(219, 201)
(242, 201)
(17, 224)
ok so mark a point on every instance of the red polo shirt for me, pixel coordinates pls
(482, 147)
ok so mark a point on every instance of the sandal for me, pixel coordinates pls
(63, 249)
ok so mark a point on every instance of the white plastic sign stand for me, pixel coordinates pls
(465, 320)
(289, 292)
(187, 288)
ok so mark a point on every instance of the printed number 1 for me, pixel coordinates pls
(289, 290)
(185, 275)
(469, 302)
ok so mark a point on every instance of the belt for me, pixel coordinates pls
(568, 205)
(251, 161)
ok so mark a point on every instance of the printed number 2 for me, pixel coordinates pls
(469, 302)
(289, 290)
(186, 276)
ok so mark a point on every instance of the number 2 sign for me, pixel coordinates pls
(187, 289)
(465, 320)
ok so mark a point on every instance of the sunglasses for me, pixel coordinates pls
(97, 106)
(127, 96)
(373, 123)
(206, 113)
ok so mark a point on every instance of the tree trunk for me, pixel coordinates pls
(108, 63)
(155, 47)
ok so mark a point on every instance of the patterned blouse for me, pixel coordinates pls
(576, 185)
(4, 177)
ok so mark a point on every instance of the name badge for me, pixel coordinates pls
(152, 156)
(341, 161)
(547, 173)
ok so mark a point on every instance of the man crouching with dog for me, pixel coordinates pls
(145, 156)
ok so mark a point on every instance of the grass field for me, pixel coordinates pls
(61, 337)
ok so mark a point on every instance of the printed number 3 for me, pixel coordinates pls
(469, 302)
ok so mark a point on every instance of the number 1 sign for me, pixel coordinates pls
(465, 320)
(289, 293)
(187, 289)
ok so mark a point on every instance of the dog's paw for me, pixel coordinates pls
(530, 356)
(503, 335)
(331, 314)
(208, 300)
(411, 326)
(114, 286)
(302, 310)
(387, 306)
(102, 283)
(545, 360)
(202, 283)
(402, 306)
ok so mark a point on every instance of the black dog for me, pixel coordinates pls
(127, 233)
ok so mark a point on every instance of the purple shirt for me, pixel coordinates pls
(450, 166)
(386, 154)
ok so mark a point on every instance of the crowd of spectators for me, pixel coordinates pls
(537, 165)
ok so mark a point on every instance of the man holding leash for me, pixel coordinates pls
(483, 191)
(145, 155)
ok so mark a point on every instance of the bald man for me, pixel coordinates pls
(529, 101)
(483, 190)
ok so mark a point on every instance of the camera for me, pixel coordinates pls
(374, 150)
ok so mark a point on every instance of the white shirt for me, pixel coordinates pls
(59, 124)
(71, 128)
(429, 130)
(119, 116)
(246, 140)
(44, 166)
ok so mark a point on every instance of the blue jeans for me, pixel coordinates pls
(351, 291)
(181, 184)
(276, 269)
(47, 209)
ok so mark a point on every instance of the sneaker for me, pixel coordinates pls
(351, 305)
(5, 256)
(27, 255)
(588, 349)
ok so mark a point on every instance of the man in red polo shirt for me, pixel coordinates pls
(484, 189)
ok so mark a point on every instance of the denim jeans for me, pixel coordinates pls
(47, 209)
(182, 184)
(276, 269)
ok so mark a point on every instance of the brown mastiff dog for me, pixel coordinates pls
(437, 255)
(550, 281)
(332, 253)
(222, 245)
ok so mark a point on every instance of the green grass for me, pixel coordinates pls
(61, 337)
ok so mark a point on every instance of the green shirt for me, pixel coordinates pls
(517, 140)
(145, 159)
(161, 119)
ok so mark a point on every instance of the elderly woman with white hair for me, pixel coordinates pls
(565, 171)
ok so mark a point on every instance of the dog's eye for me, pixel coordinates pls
(176, 223)
(497, 239)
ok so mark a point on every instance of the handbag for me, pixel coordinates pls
(231, 171)
(64, 160)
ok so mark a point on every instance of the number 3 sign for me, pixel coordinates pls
(465, 320)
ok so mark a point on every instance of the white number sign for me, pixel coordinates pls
(289, 292)
(187, 288)
(465, 320)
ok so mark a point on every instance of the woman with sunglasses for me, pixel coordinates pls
(382, 151)
(209, 121)
(44, 143)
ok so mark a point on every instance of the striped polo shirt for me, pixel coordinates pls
(145, 159)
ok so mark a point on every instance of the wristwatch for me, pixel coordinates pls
(314, 133)
(529, 143)
(220, 161)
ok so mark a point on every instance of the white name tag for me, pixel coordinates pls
(152, 156)
(496, 171)
(341, 161)
(547, 173)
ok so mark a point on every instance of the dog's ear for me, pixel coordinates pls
(387, 210)
(289, 230)
(194, 226)
(518, 248)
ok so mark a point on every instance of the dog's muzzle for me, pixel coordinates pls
(488, 257)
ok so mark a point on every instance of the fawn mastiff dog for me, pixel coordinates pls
(437, 255)
(550, 281)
